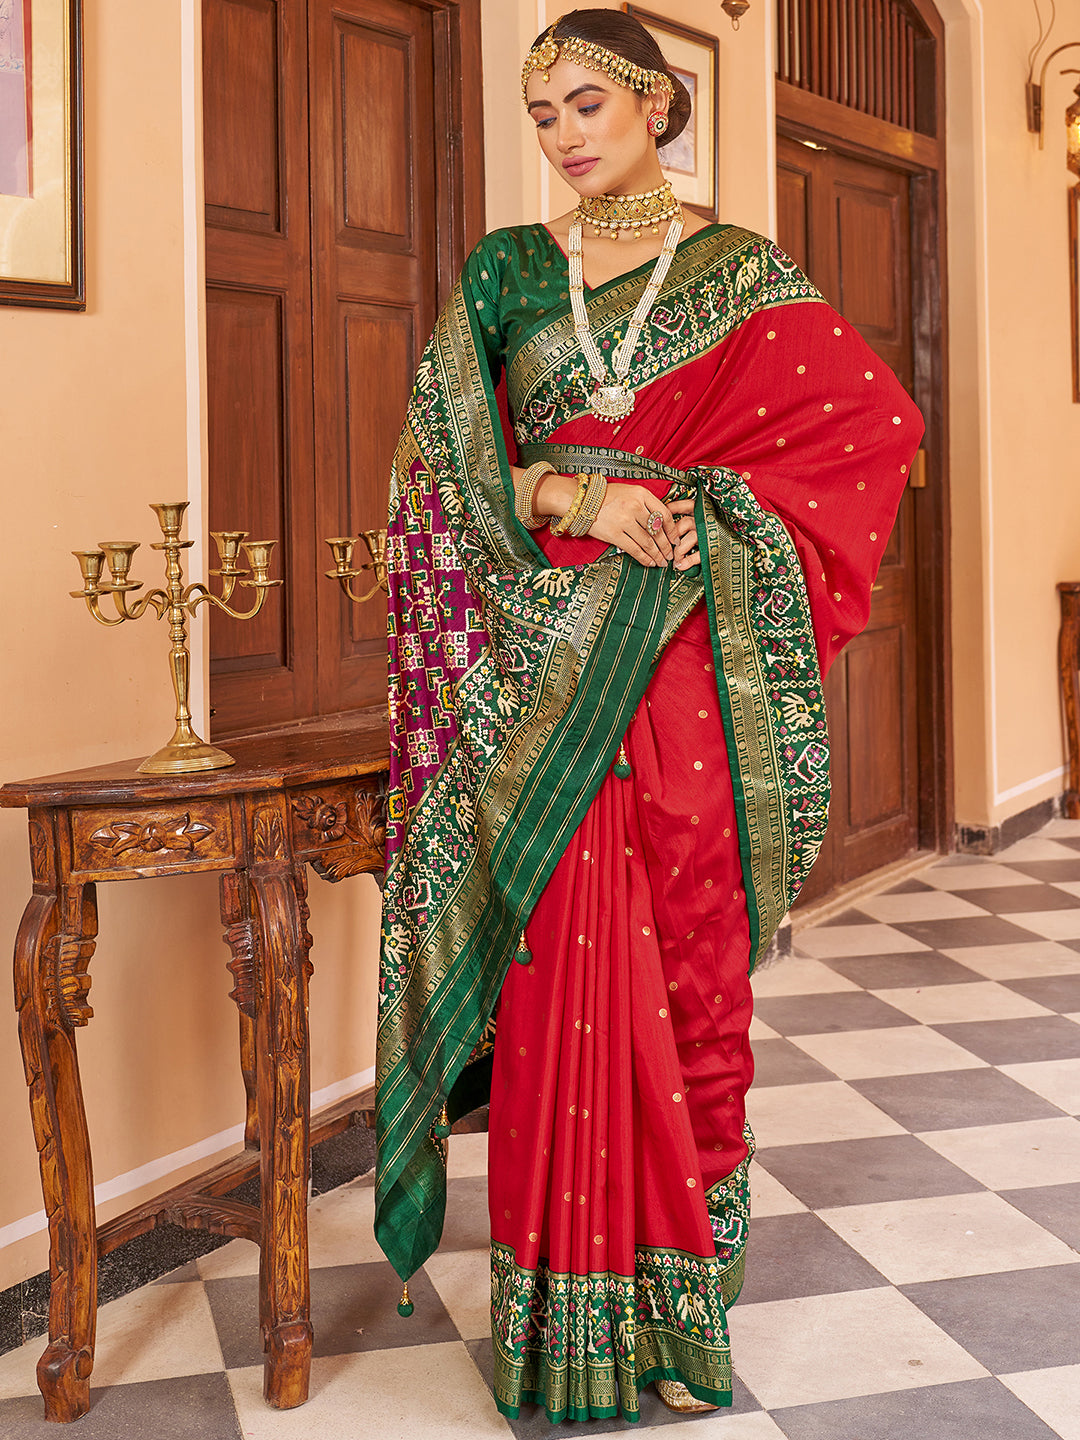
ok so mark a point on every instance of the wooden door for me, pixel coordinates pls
(374, 213)
(258, 345)
(344, 182)
(847, 222)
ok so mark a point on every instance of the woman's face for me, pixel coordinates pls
(594, 132)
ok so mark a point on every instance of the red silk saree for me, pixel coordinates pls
(618, 1166)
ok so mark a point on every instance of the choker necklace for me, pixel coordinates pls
(634, 213)
(613, 400)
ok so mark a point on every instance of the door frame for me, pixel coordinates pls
(801, 115)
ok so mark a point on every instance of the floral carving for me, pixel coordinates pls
(328, 819)
(178, 833)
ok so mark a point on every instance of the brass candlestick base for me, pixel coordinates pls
(185, 752)
(342, 546)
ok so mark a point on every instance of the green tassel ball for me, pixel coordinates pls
(622, 770)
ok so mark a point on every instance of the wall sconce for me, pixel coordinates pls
(1072, 129)
(1036, 109)
(736, 9)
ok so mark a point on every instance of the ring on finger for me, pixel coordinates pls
(655, 523)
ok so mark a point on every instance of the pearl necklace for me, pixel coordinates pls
(609, 400)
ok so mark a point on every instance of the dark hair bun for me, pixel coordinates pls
(629, 38)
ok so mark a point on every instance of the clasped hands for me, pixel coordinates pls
(623, 521)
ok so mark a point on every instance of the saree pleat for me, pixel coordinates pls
(620, 1073)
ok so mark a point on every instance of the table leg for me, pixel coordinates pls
(235, 903)
(283, 1087)
(52, 954)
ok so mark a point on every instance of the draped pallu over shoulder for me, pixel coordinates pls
(514, 672)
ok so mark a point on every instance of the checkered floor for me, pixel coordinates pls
(913, 1264)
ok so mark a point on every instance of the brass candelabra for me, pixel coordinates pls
(185, 751)
(342, 546)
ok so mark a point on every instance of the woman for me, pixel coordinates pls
(608, 624)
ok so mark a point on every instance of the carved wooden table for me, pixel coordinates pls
(313, 796)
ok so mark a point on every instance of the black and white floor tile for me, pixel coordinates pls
(913, 1266)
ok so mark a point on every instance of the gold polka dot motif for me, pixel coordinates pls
(869, 374)
(826, 408)
(837, 330)
(801, 370)
(812, 504)
(663, 1014)
(533, 1236)
(677, 1098)
(873, 534)
(673, 985)
(771, 335)
(691, 1183)
(698, 765)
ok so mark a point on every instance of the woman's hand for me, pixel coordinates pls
(624, 521)
(687, 553)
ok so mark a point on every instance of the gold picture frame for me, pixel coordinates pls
(42, 253)
(692, 160)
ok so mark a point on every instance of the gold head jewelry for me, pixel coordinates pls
(593, 57)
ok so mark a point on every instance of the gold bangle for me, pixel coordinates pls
(561, 526)
(523, 498)
(595, 494)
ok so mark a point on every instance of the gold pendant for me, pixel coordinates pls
(612, 402)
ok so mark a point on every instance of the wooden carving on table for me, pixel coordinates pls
(315, 797)
(1069, 667)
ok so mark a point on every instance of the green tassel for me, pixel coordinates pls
(523, 955)
(405, 1306)
(442, 1125)
(622, 764)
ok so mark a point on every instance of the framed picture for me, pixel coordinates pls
(41, 154)
(1074, 285)
(692, 160)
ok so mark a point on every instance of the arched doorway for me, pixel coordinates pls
(860, 188)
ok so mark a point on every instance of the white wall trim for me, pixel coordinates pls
(133, 1180)
(1028, 785)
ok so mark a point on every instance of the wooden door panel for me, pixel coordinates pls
(241, 67)
(376, 122)
(245, 351)
(793, 207)
(876, 790)
(866, 226)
